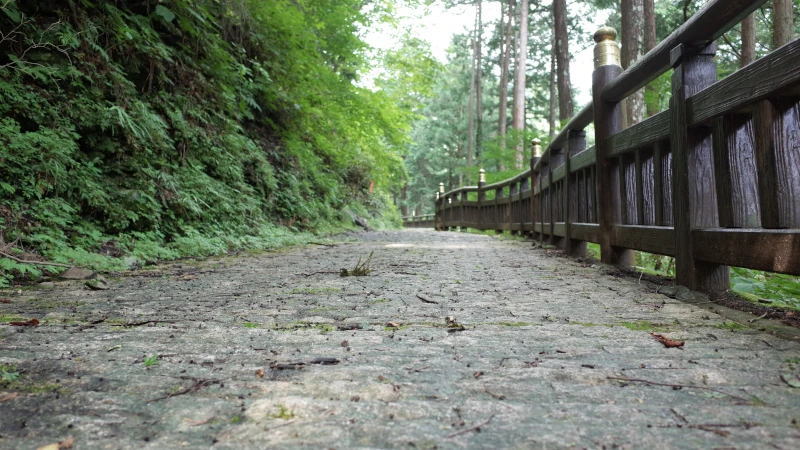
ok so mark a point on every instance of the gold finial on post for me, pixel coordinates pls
(606, 52)
(482, 176)
(441, 188)
(537, 148)
(437, 195)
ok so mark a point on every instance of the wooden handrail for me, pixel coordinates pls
(713, 20)
(713, 181)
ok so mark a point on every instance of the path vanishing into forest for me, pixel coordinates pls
(454, 340)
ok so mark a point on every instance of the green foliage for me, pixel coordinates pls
(8, 374)
(151, 360)
(187, 127)
(778, 290)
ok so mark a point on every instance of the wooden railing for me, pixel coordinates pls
(426, 221)
(713, 181)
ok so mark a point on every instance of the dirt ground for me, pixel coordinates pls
(454, 340)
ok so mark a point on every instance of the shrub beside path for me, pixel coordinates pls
(454, 340)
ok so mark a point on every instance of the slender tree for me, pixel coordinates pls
(632, 46)
(782, 23)
(748, 54)
(551, 118)
(650, 41)
(565, 108)
(504, 71)
(519, 83)
(479, 80)
(471, 113)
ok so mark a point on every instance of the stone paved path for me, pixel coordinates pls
(543, 335)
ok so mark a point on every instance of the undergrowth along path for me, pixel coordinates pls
(453, 340)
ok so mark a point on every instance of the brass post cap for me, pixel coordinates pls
(606, 51)
(441, 188)
(605, 34)
(482, 176)
(537, 148)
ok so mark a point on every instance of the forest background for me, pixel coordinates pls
(133, 131)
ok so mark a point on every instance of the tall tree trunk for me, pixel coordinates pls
(404, 201)
(551, 118)
(650, 41)
(478, 82)
(748, 40)
(504, 69)
(565, 108)
(632, 32)
(471, 113)
(519, 84)
(782, 23)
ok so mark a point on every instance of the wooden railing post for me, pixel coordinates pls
(440, 202)
(535, 212)
(481, 198)
(510, 210)
(575, 145)
(695, 199)
(556, 160)
(607, 122)
(497, 215)
(463, 211)
(524, 211)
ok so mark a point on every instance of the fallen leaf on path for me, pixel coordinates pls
(27, 323)
(791, 380)
(477, 374)
(260, 373)
(393, 325)
(8, 397)
(63, 445)
(345, 344)
(669, 343)
(5, 300)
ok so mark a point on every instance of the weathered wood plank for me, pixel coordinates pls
(767, 76)
(769, 250)
(645, 180)
(584, 159)
(658, 184)
(736, 177)
(589, 232)
(651, 239)
(777, 130)
(559, 173)
(642, 134)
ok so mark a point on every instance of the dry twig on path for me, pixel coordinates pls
(425, 300)
(198, 384)
(472, 428)
(679, 386)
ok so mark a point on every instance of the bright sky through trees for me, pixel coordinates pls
(437, 24)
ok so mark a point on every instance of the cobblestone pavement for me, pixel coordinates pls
(541, 362)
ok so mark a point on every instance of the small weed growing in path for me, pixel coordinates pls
(283, 413)
(360, 270)
(151, 360)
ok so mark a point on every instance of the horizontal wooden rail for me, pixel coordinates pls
(426, 221)
(712, 21)
(713, 181)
